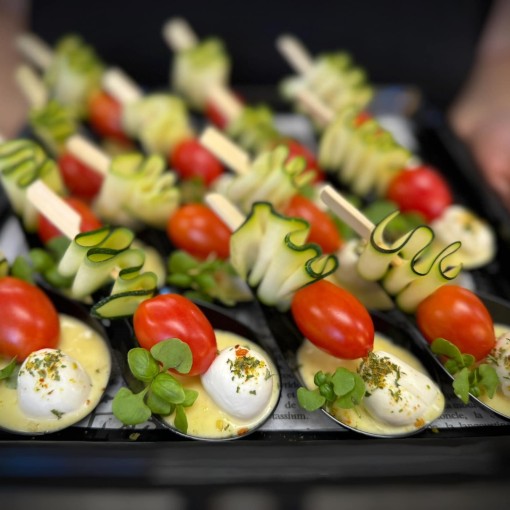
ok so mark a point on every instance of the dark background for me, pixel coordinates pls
(426, 43)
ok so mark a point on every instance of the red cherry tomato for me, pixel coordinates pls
(105, 116)
(89, 221)
(323, 230)
(80, 180)
(421, 189)
(198, 230)
(459, 316)
(174, 316)
(333, 319)
(296, 149)
(191, 159)
(29, 320)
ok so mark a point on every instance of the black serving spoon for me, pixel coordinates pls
(123, 339)
(392, 324)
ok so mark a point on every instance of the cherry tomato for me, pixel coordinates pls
(198, 230)
(296, 149)
(105, 116)
(174, 316)
(333, 319)
(459, 316)
(323, 230)
(361, 118)
(421, 189)
(191, 159)
(89, 221)
(80, 180)
(29, 320)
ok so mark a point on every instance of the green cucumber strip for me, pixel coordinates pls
(270, 252)
(407, 269)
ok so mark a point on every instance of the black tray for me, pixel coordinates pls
(149, 457)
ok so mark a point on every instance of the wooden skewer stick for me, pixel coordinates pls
(119, 85)
(227, 151)
(315, 107)
(88, 153)
(226, 102)
(179, 35)
(32, 86)
(56, 210)
(295, 53)
(227, 211)
(347, 212)
(35, 50)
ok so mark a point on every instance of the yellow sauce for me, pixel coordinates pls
(85, 346)
(499, 402)
(205, 418)
(311, 360)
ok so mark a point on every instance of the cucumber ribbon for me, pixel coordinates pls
(22, 162)
(269, 251)
(408, 269)
(92, 257)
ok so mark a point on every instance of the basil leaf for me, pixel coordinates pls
(130, 408)
(159, 406)
(488, 378)
(189, 397)
(8, 370)
(461, 385)
(442, 346)
(168, 388)
(181, 262)
(310, 400)
(180, 421)
(142, 365)
(343, 381)
(179, 280)
(468, 360)
(173, 353)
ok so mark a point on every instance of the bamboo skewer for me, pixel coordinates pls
(56, 210)
(35, 50)
(227, 211)
(31, 86)
(119, 85)
(225, 150)
(89, 154)
(295, 53)
(179, 35)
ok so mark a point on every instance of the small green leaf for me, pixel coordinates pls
(180, 421)
(181, 262)
(327, 391)
(142, 365)
(461, 385)
(320, 378)
(41, 259)
(189, 397)
(159, 406)
(179, 280)
(446, 348)
(130, 408)
(488, 379)
(173, 353)
(468, 360)
(343, 381)
(310, 400)
(354, 397)
(452, 366)
(168, 388)
(205, 281)
(8, 370)
(22, 269)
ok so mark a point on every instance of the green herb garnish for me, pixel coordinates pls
(163, 394)
(343, 389)
(469, 378)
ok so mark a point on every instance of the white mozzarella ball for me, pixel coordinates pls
(239, 382)
(51, 383)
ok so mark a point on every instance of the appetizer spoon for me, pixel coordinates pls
(390, 325)
(84, 343)
(123, 339)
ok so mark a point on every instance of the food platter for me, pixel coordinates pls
(292, 434)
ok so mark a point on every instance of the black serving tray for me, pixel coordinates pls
(115, 456)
